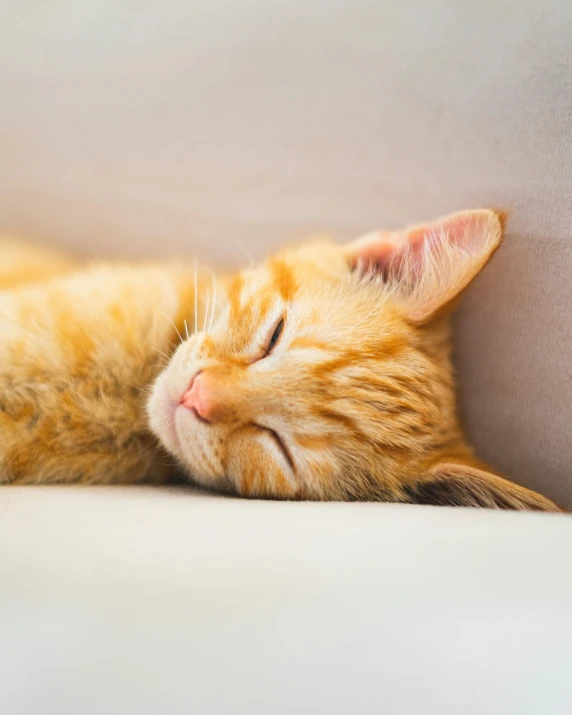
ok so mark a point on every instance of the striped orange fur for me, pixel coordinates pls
(323, 373)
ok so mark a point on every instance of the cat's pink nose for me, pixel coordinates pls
(197, 398)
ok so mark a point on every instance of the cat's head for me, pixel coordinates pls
(326, 374)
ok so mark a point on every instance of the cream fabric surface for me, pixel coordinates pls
(138, 602)
(184, 127)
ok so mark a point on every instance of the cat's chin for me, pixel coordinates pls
(162, 410)
(177, 427)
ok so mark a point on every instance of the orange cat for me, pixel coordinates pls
(324, 373)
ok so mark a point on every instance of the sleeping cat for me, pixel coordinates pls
(324, 373)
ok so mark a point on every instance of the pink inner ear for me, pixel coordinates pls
(383, 252)
(466, 231)
(378, 254)
(376, 251)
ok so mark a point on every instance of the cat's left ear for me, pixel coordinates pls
(429, 264)
(462, 484)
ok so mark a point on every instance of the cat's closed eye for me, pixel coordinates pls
(275, 337)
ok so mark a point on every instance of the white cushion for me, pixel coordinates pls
(139, 601)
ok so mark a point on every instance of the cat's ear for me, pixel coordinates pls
(429, 264)
(452, 484)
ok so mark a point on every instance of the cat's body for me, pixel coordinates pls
(78, 353)
(300, 379)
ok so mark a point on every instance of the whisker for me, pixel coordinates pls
(214, 299)
(196, 299)
(171, 463)
(206, 309)
(186, 329)
(162, 353)
(162, 365)
(241, 248)
(174, 326)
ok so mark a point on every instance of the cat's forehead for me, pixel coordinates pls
(312, 286)
(255, 290)
(320, 255)
(291, 270)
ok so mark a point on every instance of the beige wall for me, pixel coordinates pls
(186, 127)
